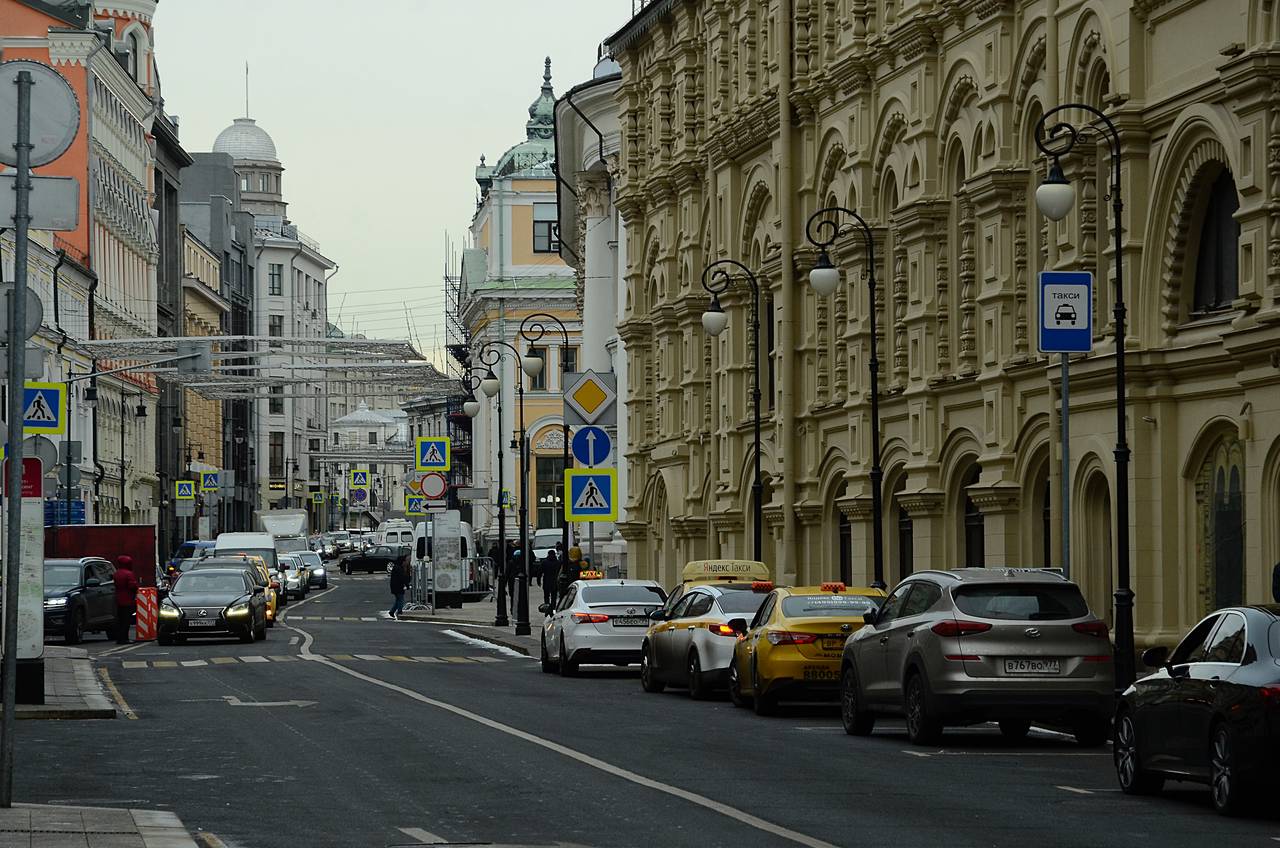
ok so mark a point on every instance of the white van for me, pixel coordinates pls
(466, 582)
(394, 532)
(258, 544)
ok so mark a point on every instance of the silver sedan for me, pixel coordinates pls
(599, 621)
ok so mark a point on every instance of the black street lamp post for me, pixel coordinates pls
(491, 355)
(533, 328)
(140, 413)
(717, 278)
(1055, 197)
(822, 231)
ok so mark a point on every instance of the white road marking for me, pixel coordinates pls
(123, 649)
(585, 759)
(1074, 789)
(921, 754)
(423, 836)
(367, 657)
(252, 659)
(133, 664)
(233, 701)
(193, 663)
(488, 646)
(293, 640)
(369, 618)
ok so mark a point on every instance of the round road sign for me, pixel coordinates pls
(55, 113)
(434, 486)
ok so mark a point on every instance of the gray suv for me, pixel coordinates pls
(1009, 645)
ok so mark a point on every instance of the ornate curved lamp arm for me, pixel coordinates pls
(822, 231)
(1046, 133)
(534, 327)
(717, 278)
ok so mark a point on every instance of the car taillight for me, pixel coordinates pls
(953, 627)
(786, 637)
(590, 617)
(722, 630)
(1092, 628)
(1270, 696)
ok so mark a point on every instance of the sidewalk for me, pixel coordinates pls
(41, 826)
(477, 621)
(71, 690)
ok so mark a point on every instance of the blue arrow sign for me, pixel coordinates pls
(592, 446)
(1066, 311)
(592, 494)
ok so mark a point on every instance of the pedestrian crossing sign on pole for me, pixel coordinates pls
(359, 479)
(592, 494)
(415, 505)
(209, 481)
(44, 408)
(184, 490)
(433, 453)
(317, 497)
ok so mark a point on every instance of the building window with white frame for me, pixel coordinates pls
(546, 228)
(275, 278)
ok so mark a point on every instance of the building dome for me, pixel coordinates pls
(244, 139)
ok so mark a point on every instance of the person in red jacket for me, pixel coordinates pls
(126, 597)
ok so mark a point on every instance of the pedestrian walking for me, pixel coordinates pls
(399, 584)
(126, 583)
(495, 560)
(550, 578)
(510, 566)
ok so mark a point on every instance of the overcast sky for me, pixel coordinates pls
(380, 110)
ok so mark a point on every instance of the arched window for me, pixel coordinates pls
(975, 555)
(906, 532)
(135, 57)
(1217, 272)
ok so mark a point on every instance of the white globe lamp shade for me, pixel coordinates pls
(1055, 196)
(715, 319)
(471, 408)
(531, 365)
(825, 277)
(489, 385)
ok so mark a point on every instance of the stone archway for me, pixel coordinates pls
(1219, 524)
(1096, 549)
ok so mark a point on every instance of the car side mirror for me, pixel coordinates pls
(92, 583)
(1156, 657)
(871, 616)
(658, 615)
(545, 609)
(738, 625)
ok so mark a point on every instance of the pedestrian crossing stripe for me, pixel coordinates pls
(44, 408)
(184, 490)
(433, 453)
(592, 494)
(359, 479)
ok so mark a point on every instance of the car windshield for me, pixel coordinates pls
(741, 601)
(340, 537)
(188, 564)
(542, 539)
(310, 558)
(61, 576)
(290, 545)
(623, 595)
(812, 606)
(1022, 602)
(208, 582)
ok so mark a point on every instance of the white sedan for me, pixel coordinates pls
(599, 621)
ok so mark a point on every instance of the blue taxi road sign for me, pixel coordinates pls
(592, 494)
(209, 481)
(433, 453)
(184, 490)
(44, 407)
(1066, 311)
(592, 445)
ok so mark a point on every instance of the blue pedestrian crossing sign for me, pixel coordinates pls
(415, 505)
(1066, 311)
(592, 494)
(184, 490)
(433, 453)
(208, 481)
(359, 479)
(592, 445)
(44, 408)
(317, 497)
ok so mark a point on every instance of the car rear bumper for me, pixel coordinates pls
(1065, 705)
(586, 644)
(799, 676)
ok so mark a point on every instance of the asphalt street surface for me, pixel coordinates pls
(345, 729)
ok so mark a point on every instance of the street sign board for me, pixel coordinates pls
(317, 497)
(589, 398)
(185, 509)
(592, 494)
(415, 505)
(55, 513)
(35, 312)
(32, 477)
(359, 479)
(592, 446)
(433, 453)
(1066, 311)
(55, 202)
(208, 481)
(358, 496)
(184, 490)
(434, 486)
(44, 408)
(472, 493)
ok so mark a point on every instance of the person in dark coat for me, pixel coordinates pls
(550, 578)
(1275, 583)
(495, 557)
(510, 567)
(400, 579)
(126, 583)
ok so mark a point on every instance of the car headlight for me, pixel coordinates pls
(170, 611)
(318, 570)
(238, 610)
(55, 602)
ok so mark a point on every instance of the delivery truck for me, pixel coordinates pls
(288, 527)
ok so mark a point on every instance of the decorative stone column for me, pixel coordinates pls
(928, 531)
(728, 526)
(815, 562)
(784, 569)
(999, 504)
(857, 509)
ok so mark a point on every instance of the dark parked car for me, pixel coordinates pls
(376, 558)
(1210, 713)
(214, 602)
(79, 597)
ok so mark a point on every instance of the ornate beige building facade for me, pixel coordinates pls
(740, 119)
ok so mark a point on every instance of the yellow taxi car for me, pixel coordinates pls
(709, 571)
(273, 593)
(792, 648)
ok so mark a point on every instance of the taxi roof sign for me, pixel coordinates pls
(724, 570)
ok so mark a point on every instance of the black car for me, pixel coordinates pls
(214, 602)
(79, 597)
(377, 558)
(1210, 713)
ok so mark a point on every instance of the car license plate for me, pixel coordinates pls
(629, 621)
(826, 675)
(1025, 666)
(836, 644)
(202, 622)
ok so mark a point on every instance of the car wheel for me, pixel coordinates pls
(923, 728)
(1226, 787)
(735, 687)
(1133, 778)
(1092, 732)
(698, 688)
(1015, 730)
(324, 584)
(856, 721)
(547, 665)
(648, 678)
(764, 703)
(568, 668)
(75, 628)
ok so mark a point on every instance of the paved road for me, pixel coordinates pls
(417, 735)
